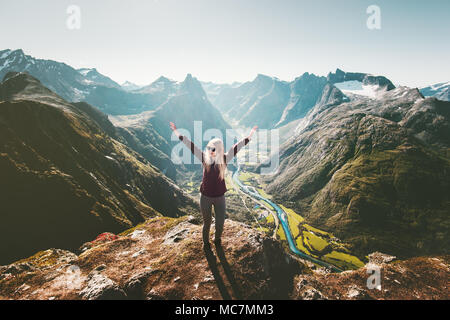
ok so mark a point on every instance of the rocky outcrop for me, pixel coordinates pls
(161, 258)
(421, 278)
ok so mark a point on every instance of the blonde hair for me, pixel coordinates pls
(218, 159)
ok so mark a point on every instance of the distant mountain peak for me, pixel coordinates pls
(261, 76)
(18, 52)
(130, 86)
(192, 85)
(163, 79)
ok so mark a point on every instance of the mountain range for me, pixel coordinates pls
(80, 155)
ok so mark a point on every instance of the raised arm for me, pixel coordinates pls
(191, 146)
(237, 146)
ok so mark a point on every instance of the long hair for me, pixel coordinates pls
(218, 159)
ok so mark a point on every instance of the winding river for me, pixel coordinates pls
(282, 217)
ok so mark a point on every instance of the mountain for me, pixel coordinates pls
(92, 76)
(375, 171)
(304, 94)
(264, 95)
(79, 85)
(150, 139)
(440, 91)
(213, 89)
(162, 259)
(161, 85)
(66, 176)
(271, 103)
(187, 103)
(129, 86)
(364, 79)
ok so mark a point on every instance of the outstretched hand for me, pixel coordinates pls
(253, 131)
(174, 128)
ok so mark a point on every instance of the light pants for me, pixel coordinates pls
(206, 204)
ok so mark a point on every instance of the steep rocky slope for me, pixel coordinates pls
(64, 178)
(375, 171)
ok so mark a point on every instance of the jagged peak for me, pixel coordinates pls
(18, 51)
(192, 85)
(163, 79)
(306, 75)
(261, 76)
(23, 86)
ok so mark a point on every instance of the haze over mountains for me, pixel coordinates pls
(366, 160)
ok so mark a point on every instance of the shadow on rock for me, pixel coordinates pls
(228, 272)
(212, 262)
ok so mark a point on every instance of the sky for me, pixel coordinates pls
(234, 40)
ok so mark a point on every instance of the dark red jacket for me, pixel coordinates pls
(212, 185)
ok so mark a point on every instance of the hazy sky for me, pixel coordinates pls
(234, 40)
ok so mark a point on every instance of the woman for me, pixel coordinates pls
(213, 187)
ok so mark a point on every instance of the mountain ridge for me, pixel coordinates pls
(60, 158)
(372, 163)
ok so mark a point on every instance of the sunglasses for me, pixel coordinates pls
(212, 149)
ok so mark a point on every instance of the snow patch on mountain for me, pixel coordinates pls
(84, 71)
(5, 53)
(358, 88)
(438, 86)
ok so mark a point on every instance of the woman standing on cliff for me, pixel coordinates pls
(213, 187)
